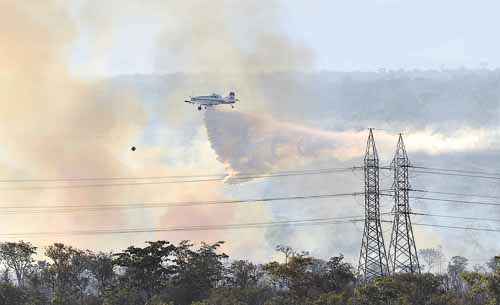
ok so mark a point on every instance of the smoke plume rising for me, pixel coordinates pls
(56, 125)
(52, 124)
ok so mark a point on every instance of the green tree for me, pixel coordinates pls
(120, 295)
(101, 267)
(11, 295)
(146, 270)
(18, 257)
(457, 266)
(417, 289)
(287, 251)
(382, 291)
(244, 274)
(67, 273)
(445, 298)
(293, 275)
(478, 291)
(407, 289)
(331, 298)
(39, 284)
(494, 285)
(339, 274)
(306, 277)
(197, 271)
(431, 257)
(237, 296)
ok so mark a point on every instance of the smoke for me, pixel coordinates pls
(225, 36)
(56, 125)
(52, 124)
(229, 45)
(256, 143)
(250, 143)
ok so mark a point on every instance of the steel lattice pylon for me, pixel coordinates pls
(372, 259)
(402, 249)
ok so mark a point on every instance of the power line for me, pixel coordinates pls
(451, 227)
(239, 177)
(456, 170)
(455, 217)
(457, 227)
(70, 207)
(220, 176)
(458, 201)
(255, 225)
(449, 216)
(456, 174)
(78, 179)
(456, 194)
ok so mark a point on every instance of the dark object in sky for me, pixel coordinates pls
(133, 148)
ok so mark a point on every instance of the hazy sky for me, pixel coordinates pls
(397, 34)
(343, 35)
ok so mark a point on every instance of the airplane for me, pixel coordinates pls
(212, 100)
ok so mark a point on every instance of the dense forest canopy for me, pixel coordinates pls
(161, 273)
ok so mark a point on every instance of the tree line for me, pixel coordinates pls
(163, 273)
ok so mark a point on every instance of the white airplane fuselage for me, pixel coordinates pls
(212, 100)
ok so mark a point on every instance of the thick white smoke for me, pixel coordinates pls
(256, 143)
(250, 143)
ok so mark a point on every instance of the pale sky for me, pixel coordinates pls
(398, 34)
(343, 35)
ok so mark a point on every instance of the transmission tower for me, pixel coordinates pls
(372, 259)
(402, 249)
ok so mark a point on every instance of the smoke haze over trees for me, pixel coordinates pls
(160, 273)
(319, 120)
(57, 123)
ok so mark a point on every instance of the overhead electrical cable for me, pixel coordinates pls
(457, 174)
(455, 217)
(485, 229)
(479, 172)
(254, 225)
(456, 194)
(456, 227)
(458, 201)
(104, 206)
(220, 178)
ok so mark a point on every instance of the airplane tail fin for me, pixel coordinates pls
(231, 97)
